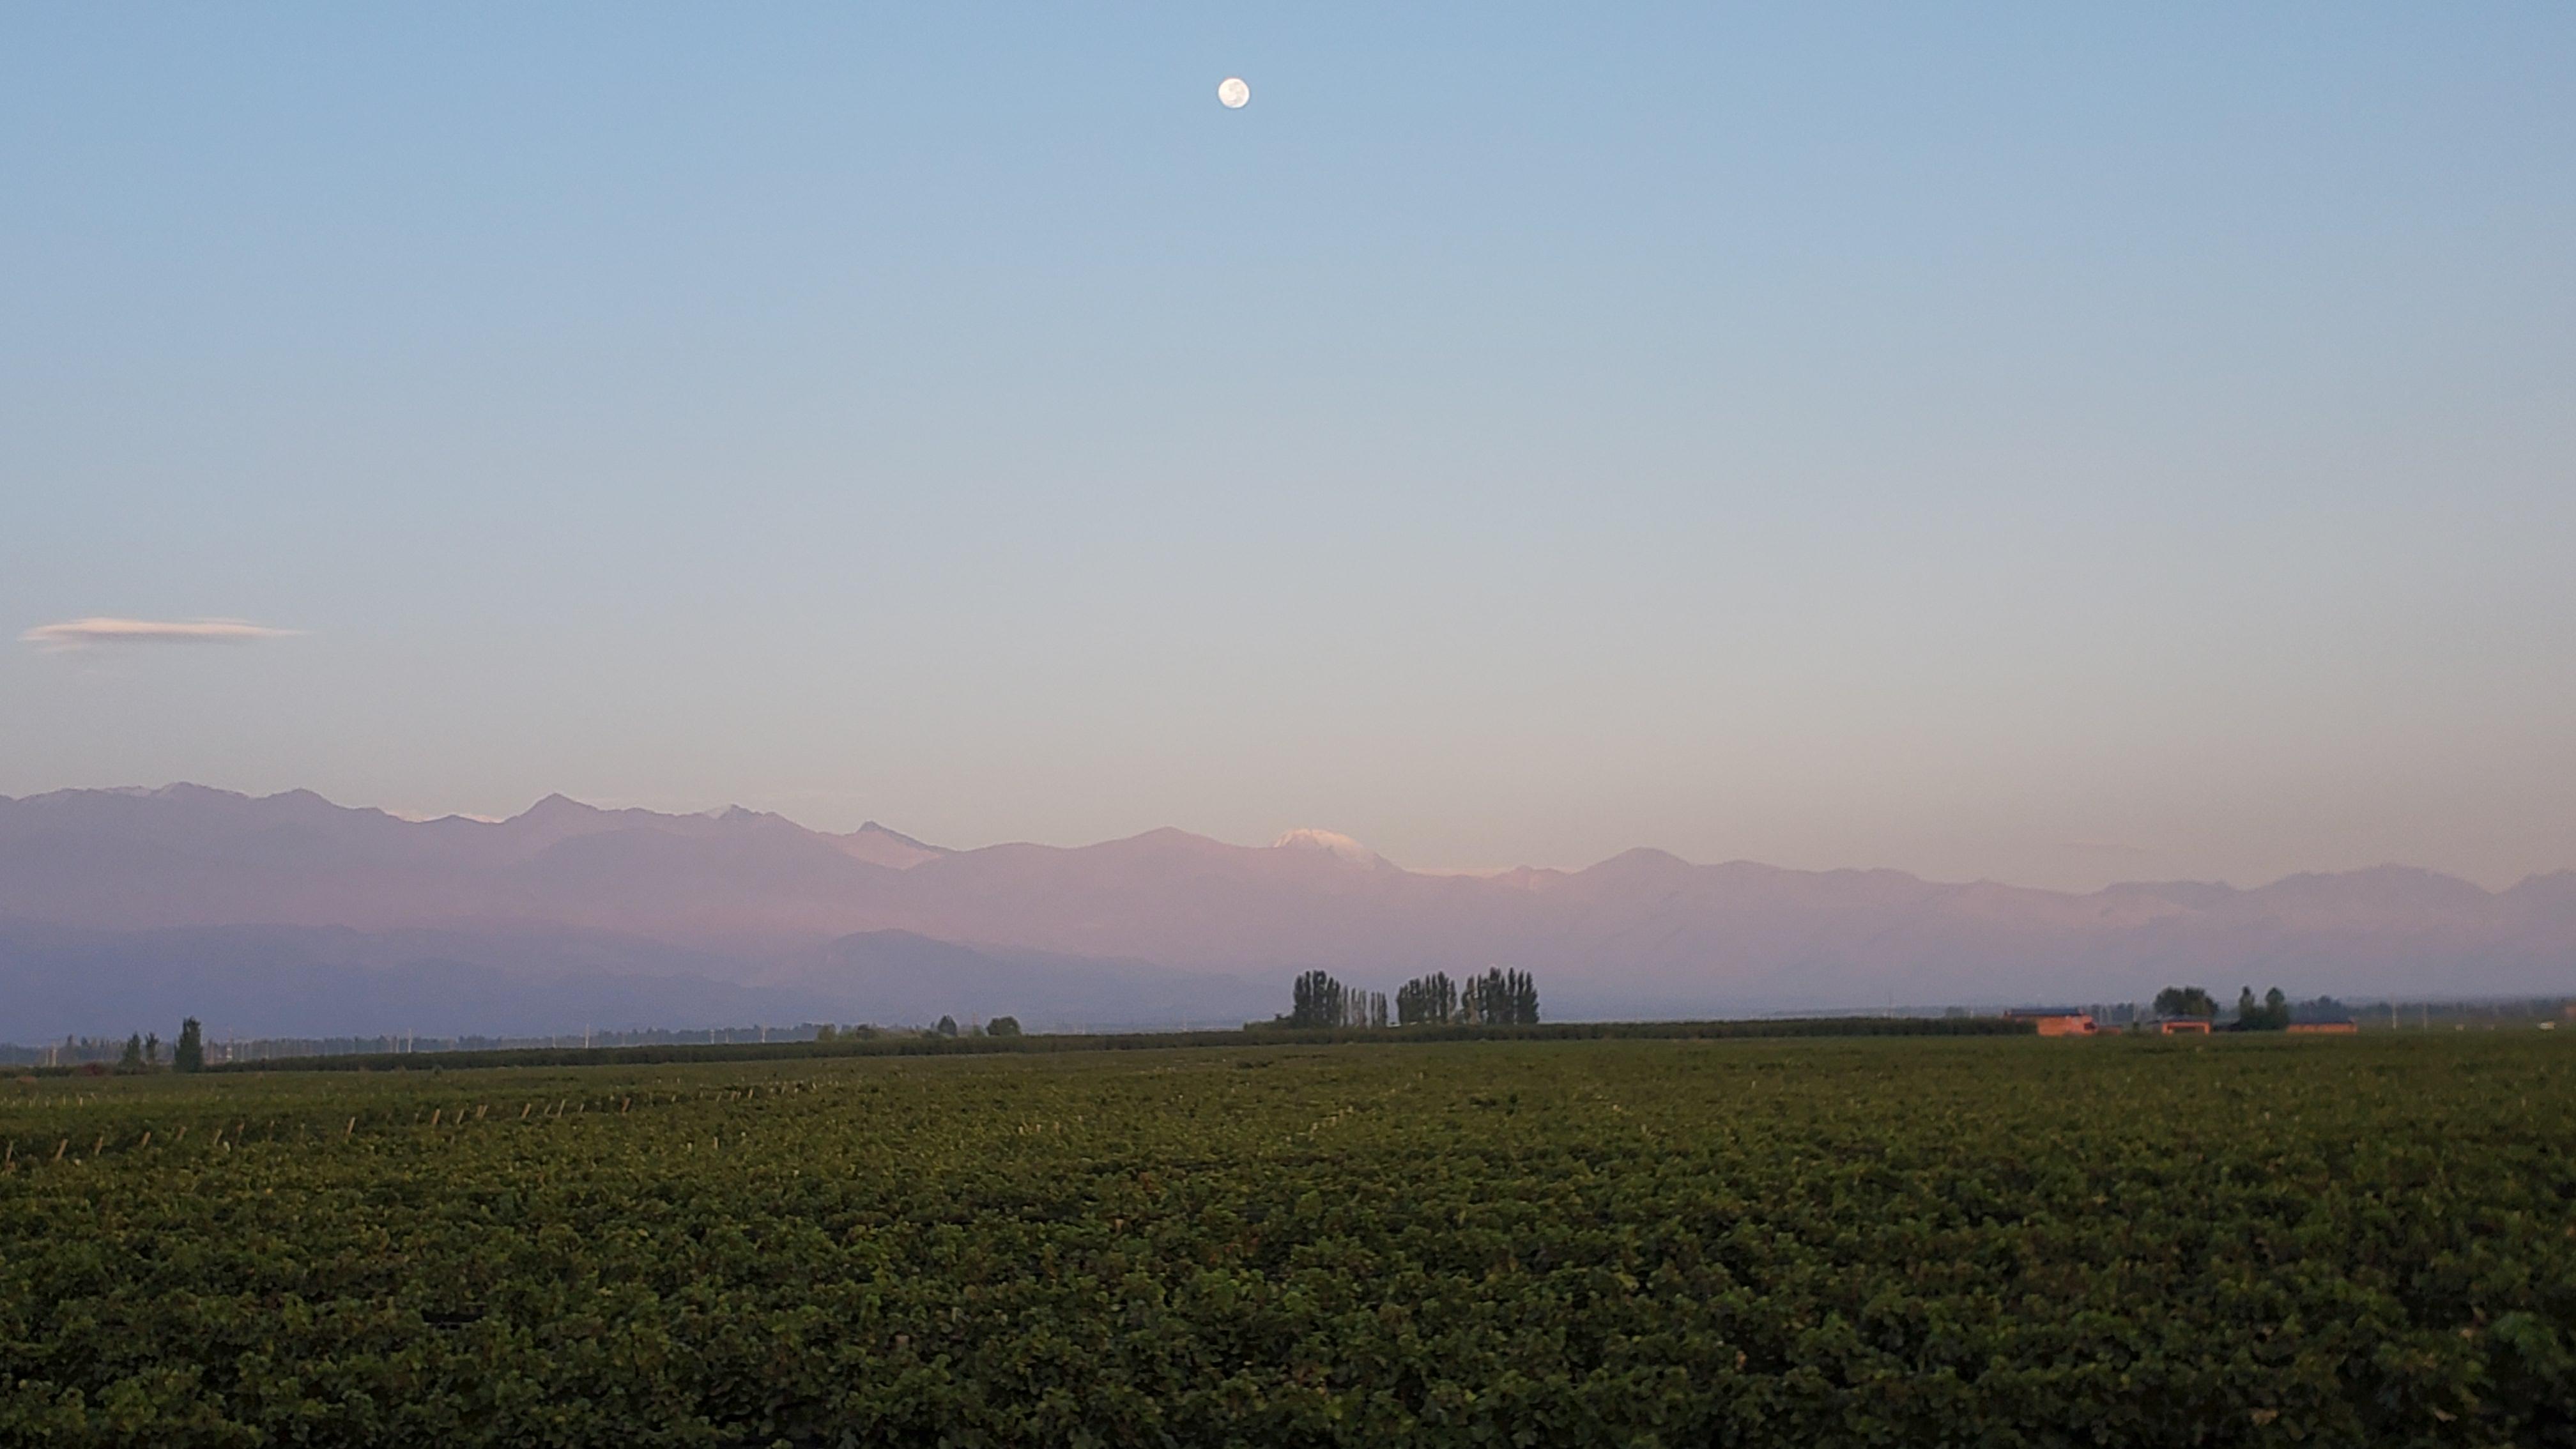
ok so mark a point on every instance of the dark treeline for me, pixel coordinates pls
(102, 1053)
(1426, 999)
(2275, 1012)
(1266, 1034)
(1319, 1001)
(193, 1050)
(2272, 1013)
(143, 1051)
(1500, 998)
(1497, 998)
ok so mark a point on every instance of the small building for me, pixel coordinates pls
(2183, 1026)
(2325, 1028)
(2058, 1023)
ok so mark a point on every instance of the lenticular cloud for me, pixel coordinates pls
(84, 633)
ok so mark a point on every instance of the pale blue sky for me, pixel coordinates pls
(2042, 443)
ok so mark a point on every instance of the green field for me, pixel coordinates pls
(1991, 1241)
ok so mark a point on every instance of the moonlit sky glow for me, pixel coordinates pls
(2060, 444)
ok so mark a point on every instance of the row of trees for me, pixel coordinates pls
(1426, 999)
(1496, 998)
(143, 1050)
(1317, 1000)
(998, 1026)
(2272, 1013)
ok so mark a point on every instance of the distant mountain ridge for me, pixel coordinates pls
(1160, 926)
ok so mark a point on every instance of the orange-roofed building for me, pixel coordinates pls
(2183, 1026)
(2325, 1028)
(2058, 1023)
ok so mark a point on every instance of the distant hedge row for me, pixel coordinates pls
(931, 1045)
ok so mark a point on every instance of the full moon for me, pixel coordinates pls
(1233, 92)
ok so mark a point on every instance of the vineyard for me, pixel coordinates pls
(1997, 1240)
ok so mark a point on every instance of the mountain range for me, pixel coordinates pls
(289, 914)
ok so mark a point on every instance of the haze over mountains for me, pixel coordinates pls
(292, 915)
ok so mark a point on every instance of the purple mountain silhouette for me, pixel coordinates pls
(106, 894)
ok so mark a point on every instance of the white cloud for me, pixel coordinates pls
(83, 633)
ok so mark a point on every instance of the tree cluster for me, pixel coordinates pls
(1500, 998)
(2272, 1013)
(1317, 1000)
(1497, 998)
(2186, 1001)
(1426, 999)
(141, 1052)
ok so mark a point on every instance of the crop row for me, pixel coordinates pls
(2000, 1241)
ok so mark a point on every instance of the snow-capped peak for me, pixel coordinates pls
(1331, 842)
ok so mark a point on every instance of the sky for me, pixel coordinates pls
(2057, 444)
